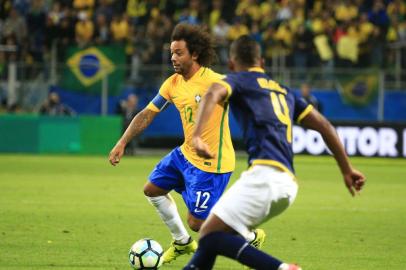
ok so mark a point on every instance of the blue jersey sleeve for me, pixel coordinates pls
(231, 79)
(231, 83)
(302, 108)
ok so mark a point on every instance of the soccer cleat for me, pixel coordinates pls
(175, 250)
(258, 241)
(259, 238)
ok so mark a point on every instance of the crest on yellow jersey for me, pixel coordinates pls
(198, 98)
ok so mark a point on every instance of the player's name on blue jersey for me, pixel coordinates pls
(265, 111)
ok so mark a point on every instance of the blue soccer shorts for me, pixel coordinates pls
(200, 190)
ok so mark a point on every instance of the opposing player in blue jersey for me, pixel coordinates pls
(265, 111)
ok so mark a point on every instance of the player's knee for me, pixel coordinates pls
(194, 224)
(150, 190)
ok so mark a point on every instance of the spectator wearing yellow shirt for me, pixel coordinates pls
(365, 28)
(119, 28)
(317, 6)
(347, 47)
(84, 30)
(268, 13)
(250, 8)
(322, 23)
(285, 36)
(137, 11)
(353, 31)
(345, 11)
(323, 44)
(215, 13)
(241, 6)
(396, 8)
(84, 5)
(392, 35)
(298, 17)
(237, 29)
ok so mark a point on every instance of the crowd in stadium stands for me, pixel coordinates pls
(328, 34)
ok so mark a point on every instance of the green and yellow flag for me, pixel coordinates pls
(359, 88)
(85, 69)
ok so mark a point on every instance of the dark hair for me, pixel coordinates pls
(198, 41)
(245, 50)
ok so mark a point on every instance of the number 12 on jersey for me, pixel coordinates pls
(188, 111)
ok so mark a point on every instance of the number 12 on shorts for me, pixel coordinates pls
(202, 199)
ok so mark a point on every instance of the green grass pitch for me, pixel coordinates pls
(76, 212)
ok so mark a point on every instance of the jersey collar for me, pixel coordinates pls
(256, 69)
(199, 73)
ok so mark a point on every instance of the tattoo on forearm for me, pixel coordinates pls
(140, 122)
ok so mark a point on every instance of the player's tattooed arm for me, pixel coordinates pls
(140, 122)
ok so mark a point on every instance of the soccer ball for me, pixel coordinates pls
(146, 254)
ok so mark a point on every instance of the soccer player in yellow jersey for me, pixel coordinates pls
(200, 181)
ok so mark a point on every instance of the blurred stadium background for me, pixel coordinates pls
(72, 73)
(94, 54)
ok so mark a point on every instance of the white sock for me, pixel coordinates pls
(250, 236)
(283, 266)
(167, 210)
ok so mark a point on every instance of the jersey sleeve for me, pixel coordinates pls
(215, 77)
(162, 99)
(302, 108)
(230, 83)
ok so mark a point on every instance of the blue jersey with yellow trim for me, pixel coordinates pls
(265, 111)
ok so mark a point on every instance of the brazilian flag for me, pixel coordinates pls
(359, 88)
(85, 69)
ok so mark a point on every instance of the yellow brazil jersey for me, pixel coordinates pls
(186, 96)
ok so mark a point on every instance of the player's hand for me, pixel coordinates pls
(354, 181)
(202, 149)
(116, 153)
